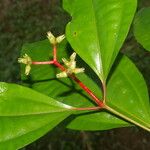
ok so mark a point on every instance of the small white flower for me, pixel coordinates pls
(27, 69)
(73, 56)
(27, 61)
(71, 67)
(78, 70)
(72, 63)
(51, 38)
(62, 75)
(60, 38)
(55, 40)
(66, 62)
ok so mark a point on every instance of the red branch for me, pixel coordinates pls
(84, 87)
(72, 76)
(55, 53)
(43, 63)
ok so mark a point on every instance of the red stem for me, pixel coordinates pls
(55, 53)
(72, 76)
(43, 62)
(84, 87)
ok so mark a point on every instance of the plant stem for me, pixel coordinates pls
(126, 118)
(72, 76)
(43, 62)
(101, 104)
(84, 87)
(54, 53)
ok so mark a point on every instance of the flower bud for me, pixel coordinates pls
(27, 69)
(62, 75)
(55, 40)
(78, 70)
(51, 38)
(71, 67)
(60, 38)
(27, 61)
(73, 57)
(66, 62)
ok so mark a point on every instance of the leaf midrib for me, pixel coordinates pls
(100, 58)
(39, 113)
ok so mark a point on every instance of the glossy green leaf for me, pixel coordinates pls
(26, 115)
(127, 93)
(98, 30)
(43, 79)
(142, 27)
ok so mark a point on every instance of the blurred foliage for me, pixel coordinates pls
(23, 21)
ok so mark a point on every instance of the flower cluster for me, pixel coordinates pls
(55, 40)
(27, 61)
(71, 67)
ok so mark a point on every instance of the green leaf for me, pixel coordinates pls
(98, 30)
(43, 79)
(127, 94)
(127, 97)
(26, 115)
(142, 27)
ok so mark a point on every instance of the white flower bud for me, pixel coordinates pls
(62, 75)
(72, 65)
(66, 62)
(73, 57)
(60, 38)
(27, 69)
(25, 60)
(51, 38)
(78, 70)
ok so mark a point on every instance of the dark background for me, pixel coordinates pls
(23, 21)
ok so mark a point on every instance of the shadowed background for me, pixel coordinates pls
(23, 21)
